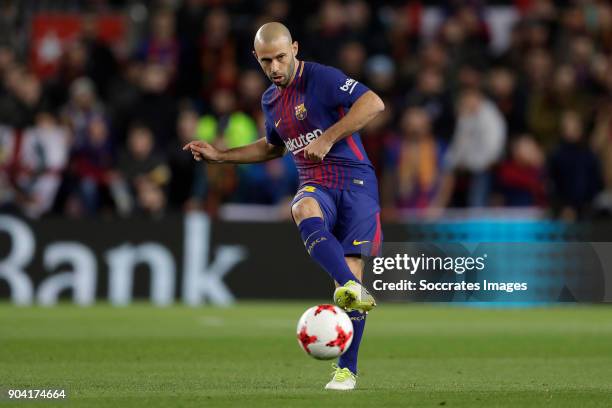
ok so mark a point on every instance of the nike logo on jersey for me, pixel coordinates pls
(276, 123)
(356, 243)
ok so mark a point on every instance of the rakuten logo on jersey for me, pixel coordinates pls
(299, 143)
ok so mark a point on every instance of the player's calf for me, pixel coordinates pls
(320, 243)
(325, 249)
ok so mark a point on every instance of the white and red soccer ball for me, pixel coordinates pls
(324, 332)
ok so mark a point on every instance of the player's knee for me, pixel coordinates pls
(305, 208)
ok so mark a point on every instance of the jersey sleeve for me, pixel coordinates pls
(272, 135)
(336, 88)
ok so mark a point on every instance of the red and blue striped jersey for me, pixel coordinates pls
(316, 99)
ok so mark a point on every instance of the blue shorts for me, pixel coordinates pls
(353, 217)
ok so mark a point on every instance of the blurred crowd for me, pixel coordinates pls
(527, 124)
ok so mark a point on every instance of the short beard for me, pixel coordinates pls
(290, 73)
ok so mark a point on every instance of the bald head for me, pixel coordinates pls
(276, 52)
(270, 33)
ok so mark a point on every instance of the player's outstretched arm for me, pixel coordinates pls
(255, 152)
(361, 113)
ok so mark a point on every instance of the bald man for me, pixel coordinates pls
(314, 112)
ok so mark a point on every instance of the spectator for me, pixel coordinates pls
(101, 64)
(380, 74)
(330, 30)
(509, 99)
(602, 143)
(144, 171)
(82, 108)
(125, 94)
(217, 53)
(22, 99)
(189, 18)
(466, 36)
(548, 106)
(92, 166)
(187, 187)
(574, 171)
(252, 86)
(226, 126)
(521, 176)
(8, 58)
(32, 170)
(431, 95)
(161, 47)
(351, 59)
(72, 65)
(476, 146)
(404, 33)
(413, 164)
(155, 106)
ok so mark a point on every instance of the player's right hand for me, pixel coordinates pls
(203, 151)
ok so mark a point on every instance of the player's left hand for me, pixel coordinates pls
(317, 149)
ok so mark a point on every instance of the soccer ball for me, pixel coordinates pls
(324, 332)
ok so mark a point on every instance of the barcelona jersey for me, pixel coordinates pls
(318, 97)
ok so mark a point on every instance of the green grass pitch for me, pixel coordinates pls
(247, 356)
